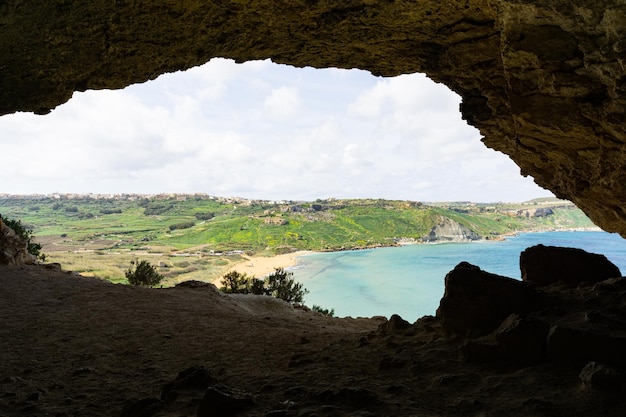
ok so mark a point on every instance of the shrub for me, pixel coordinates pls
(236, 283)
(204, 216)
(183, 225)
(281, 284)
(26, 233)
(257, 287)
(111, 211)
(143, 275)
(324, 311)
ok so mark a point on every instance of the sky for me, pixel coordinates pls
(260, 130)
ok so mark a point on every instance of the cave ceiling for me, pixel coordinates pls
(543, 80)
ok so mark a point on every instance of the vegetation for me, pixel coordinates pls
(236, 283)
(26, 234)
(142, 274)
(279, 284)
(324, 311)
(99, 236)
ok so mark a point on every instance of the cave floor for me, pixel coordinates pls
(75, 346)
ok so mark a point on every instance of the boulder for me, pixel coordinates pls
(545, 265)
(13, 249)
(522, 340)
(598, 376)
(574, 342)
(475, 302)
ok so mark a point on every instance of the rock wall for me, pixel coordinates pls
(544, 81)
(450, 231)
(13, 249)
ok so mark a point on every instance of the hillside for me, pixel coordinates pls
(198, 236)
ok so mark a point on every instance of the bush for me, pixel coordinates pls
(257, 287)
(204, 216)
(144, 274)
(324, 311)
(180, 226)
(280, 284)
(26, 233)
(111, 211)
(236, 283)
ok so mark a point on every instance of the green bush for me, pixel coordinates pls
(26, 233)
(143, 275)
(183, 225)
(280, 284)
(204, 216)
(236, 283)
(324, 311)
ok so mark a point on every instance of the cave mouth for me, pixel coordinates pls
(264, 131)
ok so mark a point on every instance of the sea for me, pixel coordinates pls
(409, 280)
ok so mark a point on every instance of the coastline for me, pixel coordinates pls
(260, 266)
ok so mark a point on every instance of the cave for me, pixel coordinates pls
(544, 83)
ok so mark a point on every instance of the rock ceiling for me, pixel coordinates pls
(544, 81)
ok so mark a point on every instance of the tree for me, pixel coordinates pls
(257, 287)
(143, 275)
(281, 284)
(236, 283)
(25, 233)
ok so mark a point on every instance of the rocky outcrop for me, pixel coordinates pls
(13, 249)
(545, 265)
(508, 320)
(543, 81)
(476, 302)
(449, 230)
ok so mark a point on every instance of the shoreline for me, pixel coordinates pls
(261, 266)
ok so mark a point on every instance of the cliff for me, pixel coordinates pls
(450, 231)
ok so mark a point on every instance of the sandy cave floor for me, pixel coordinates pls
(75, 346)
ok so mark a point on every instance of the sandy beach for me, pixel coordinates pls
(260, 266)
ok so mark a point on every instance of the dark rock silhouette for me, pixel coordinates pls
(544, 265)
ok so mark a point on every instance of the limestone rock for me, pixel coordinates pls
(542, 81)
(450, 231)
(544, 265)
(13, 249)
(476, 302)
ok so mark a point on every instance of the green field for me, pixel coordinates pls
(199, 237)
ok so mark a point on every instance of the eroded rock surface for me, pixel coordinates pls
(13, 249)
(543, 81)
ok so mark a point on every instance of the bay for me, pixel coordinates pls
(409, 280)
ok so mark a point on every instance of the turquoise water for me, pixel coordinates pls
(409, 280)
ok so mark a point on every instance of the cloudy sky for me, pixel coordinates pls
(261, 130)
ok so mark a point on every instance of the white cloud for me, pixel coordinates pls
(261, 130)
(282, 103)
